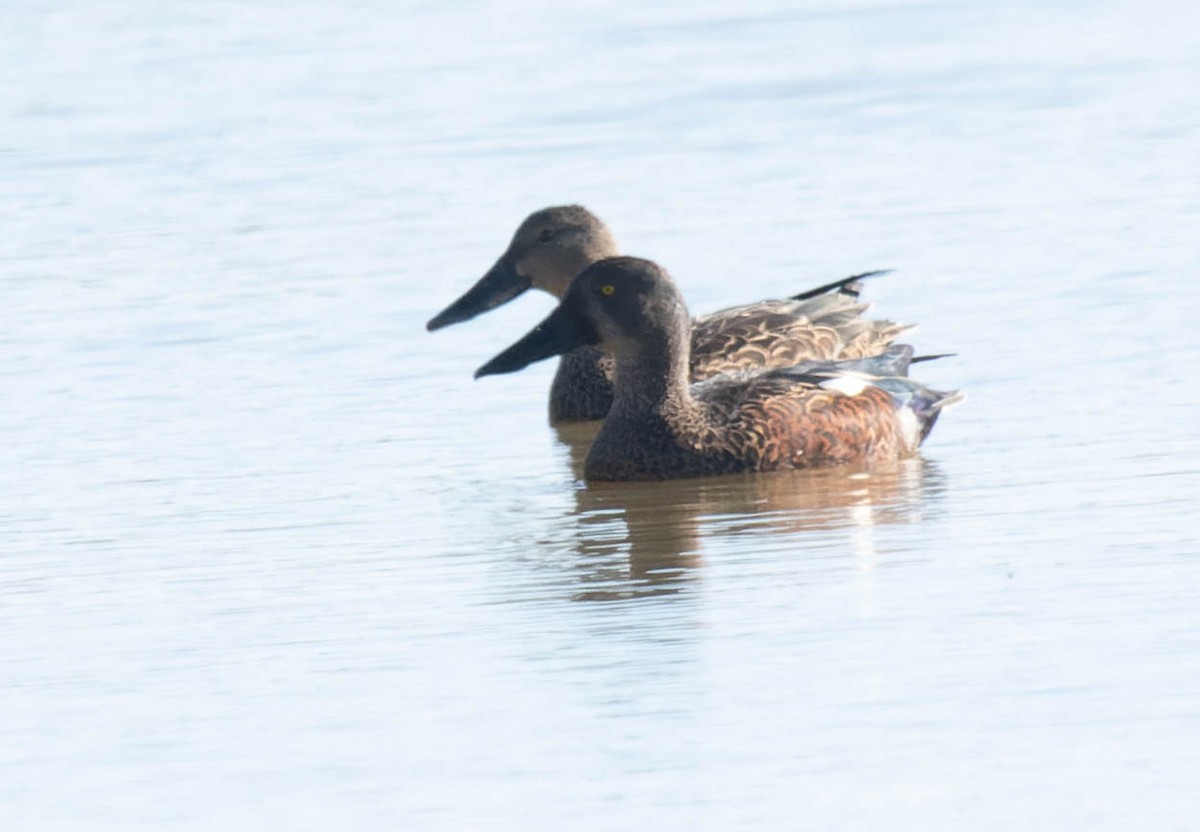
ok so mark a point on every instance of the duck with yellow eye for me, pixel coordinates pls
(554, 244)
(661, 426)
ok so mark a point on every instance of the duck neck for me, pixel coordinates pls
(573, 264)
(598, 246)
(653, 380)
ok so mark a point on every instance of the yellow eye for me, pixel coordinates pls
(607, 289)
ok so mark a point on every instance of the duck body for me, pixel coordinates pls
(553, 245)
(661, 425)
(767, 423)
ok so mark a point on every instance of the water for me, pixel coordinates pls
(271, 559)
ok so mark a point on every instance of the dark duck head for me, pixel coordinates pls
(548, 249)
(627, 307)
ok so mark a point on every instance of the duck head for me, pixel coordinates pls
(549, 248)
(626, 306)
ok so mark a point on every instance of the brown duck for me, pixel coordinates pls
(553, 245)
(660, 426)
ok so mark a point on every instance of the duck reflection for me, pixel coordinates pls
(647, 538)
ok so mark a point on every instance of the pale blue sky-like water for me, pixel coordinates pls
(270, 559)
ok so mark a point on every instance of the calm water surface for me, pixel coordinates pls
(270, 559)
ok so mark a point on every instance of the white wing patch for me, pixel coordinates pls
(850, 384)
(910, 427)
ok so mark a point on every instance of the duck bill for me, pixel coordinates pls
(561, 332)
(500, 285)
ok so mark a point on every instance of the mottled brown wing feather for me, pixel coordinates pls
(872, 339)
(766, 343)
(774, 334)
(774, 423)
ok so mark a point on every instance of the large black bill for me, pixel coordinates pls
(500, 285)
(562, 331)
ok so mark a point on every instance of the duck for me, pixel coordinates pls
(552, 245)
(662, 425)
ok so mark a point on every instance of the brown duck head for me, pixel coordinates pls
(549, 248)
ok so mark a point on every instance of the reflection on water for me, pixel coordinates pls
(647, 538)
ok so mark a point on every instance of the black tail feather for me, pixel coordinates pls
(917, 359)
(846, 286)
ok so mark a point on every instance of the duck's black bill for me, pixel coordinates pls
(500, 285)
(561, 332)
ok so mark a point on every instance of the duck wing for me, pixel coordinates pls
(822, 413)
(784, 333)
